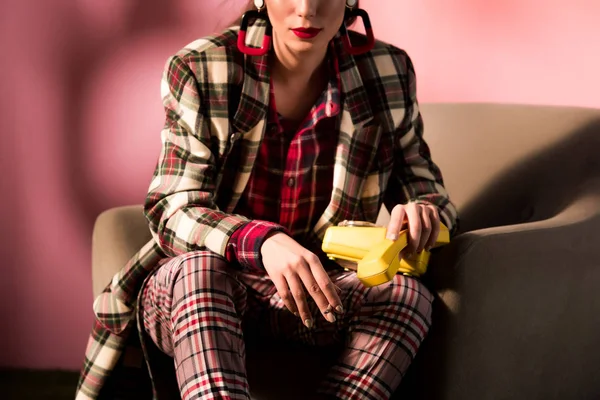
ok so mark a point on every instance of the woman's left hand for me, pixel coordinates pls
(422, 221)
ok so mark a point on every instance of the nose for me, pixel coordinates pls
(307, 8)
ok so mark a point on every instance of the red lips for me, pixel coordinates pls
(306, 33)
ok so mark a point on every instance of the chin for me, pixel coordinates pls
(302, 46)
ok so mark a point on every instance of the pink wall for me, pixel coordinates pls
(81, 114)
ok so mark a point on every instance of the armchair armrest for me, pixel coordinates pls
(518, 311)
(118, 234)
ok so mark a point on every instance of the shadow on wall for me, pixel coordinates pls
(83, 88)
(114, 100)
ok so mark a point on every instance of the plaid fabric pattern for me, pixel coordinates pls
(216, 105)
(189, 308)
(244, 245)
(195, 308)
(293, 175)
(114, 310)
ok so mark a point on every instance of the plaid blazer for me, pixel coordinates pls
(216, 102)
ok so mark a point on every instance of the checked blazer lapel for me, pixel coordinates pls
(359, 134)
(250, 119)
(359, 137)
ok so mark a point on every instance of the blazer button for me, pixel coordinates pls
(291, 182)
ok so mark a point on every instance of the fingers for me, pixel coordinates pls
(314, 290)
(311, 279)
(426, 228)
(303, 281)
(282, 286)
(299, 295)
(435, 227)
(423, 225)
(415, 227)
(295, 272)
(322, 290)
(397, 217)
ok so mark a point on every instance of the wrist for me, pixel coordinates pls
(267, 239)
(251, 240)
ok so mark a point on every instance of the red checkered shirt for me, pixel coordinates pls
(290, 185)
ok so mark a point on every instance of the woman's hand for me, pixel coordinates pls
(422, 221)
(292, 268)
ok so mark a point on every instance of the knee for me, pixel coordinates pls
(404, 300)
(196, 273)
(410, 299)
(189, 293)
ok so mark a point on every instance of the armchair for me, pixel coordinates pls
(518, 310)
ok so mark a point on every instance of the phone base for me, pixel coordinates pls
(376, 257)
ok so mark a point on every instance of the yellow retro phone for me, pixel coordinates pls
(364, 245)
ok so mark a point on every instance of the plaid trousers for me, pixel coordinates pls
(195, 307)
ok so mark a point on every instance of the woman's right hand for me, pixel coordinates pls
(292, 268)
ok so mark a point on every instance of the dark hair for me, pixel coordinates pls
(250, 6)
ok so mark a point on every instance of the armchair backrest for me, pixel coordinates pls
(506, 164)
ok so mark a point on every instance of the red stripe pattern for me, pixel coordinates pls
(194, 306)
(290, 185)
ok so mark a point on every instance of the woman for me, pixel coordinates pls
(263, 149)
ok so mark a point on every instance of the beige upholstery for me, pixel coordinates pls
(518, 315)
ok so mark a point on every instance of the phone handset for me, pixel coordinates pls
(376, 256)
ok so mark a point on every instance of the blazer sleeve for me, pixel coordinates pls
(415, 176)
(180, 206)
